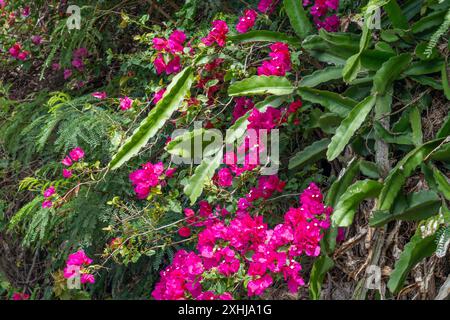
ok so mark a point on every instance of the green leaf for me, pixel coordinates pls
(442, 183)
(347, 205)
(260, 85)
(443, 154)
(264, 36)
(416, 126)
(298, 17)
(420, 68)
(402, 171)
(183, 145)
(389, 137)
(370, 169)
(351, 68)
(444, 131)
(310, 154)
(445, 81)
(417, 249)
(203, 174)
(320, 268)
(344, 180)
(417, 206)
(321, 76)
(173, 97)
(390, 71)
(348, 127)
(396, 15)
(432, 20)
(332, 101)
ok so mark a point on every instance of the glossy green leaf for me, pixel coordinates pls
(344, 180)
(332, 101)
(173, 97)
(348, 203)
(390, 71)
(396, 15)
(370, 169)
(261, 85)
(432, 20)
(203, 174)
(310, 154)
(402, 171)
(416, 207)
(298, 17)
(321, 76)
(389, 137)
(264, 36)
(320, 268)
(445, 81)
(442, 183)
(416, 126)
(348, 127)
(444, 131)
(414, 251)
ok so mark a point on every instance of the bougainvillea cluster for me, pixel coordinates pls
(218, 34)
(246, 250)
(280, 61)
(247, 21)
(168, 58)
(148, 177)
(77, 264)
(320, 11)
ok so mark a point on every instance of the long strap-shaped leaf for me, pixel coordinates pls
(310, 154)
(346, 207)
(349, 126)
(389, 72)
(416, 250)
(203, 173)
(259, 85)
(402, 171)
(298, 17)
(321, 76)
(264, 36)
(334, 102)
(173, 97)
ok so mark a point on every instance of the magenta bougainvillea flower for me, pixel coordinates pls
(76, 154)
(15, 50)
(67, 74)
(125, 103)
(218, 34)
(158, 95)
(78, 261)
(242, 106)
(267, 6)
(49, 192)
(168, 59)
(67, 173)
(26, 11)
(148, 177)
(99, 95)
(47, 204)
(184, 232)
(280, 61)
(37, 40)
(247, 21)
(20, 295)
(320, 9)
